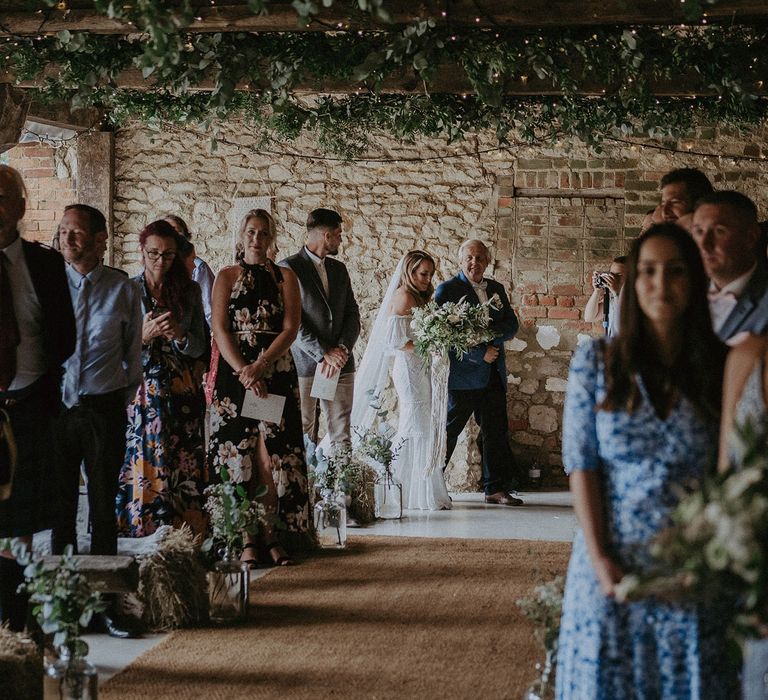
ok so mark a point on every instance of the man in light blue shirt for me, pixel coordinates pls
(100, 378)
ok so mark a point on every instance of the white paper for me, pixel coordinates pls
(324, 387)
(269, 409)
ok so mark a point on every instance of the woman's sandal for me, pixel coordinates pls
(278, 555)
(252, 561)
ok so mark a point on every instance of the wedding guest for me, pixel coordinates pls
(201, 272)
(163, 473)
(477, 383)
(256, 316)
(100, 379)
(640, 425)
(652, 216)
(409, 288)
(606, 285)
(726, 230)
(330, 325)
(680, 190)
(745, 390)
(37, 335)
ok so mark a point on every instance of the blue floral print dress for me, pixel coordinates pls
(256, 317)
(647, 649)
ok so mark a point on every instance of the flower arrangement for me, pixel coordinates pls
(544, 609)
(232, 514)
(64, 602)
(716, 548)
(344, 471)
(453, 326)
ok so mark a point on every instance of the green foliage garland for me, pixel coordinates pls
(608, 78)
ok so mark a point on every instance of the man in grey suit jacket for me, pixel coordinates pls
(726, 230)
(330, 324)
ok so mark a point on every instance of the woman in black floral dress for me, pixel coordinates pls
(256, 310)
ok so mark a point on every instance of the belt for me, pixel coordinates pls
(88, 400)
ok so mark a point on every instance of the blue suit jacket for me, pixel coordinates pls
(472, 372)
(751, 310)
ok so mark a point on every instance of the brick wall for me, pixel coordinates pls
(49, 175)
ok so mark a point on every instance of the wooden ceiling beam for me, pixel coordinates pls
(498, 14)
(447, 79)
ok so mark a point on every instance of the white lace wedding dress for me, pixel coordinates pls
(414, 393)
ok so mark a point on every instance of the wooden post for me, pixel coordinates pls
(14, 104)
(96, 178)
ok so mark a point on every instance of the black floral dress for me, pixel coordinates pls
(256, 317)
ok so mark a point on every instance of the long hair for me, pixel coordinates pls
(411, 262)
(176, 283)
(264, 215)
(698, 371)
(180, 223)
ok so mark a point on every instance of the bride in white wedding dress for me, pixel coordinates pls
(411, 286)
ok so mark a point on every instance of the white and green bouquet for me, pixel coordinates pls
(716, 549)
(452, 327)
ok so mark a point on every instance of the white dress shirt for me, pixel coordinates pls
(319, 264)
(723, 301)
(31, 363)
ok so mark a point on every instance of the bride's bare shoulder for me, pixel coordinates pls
(402, 302)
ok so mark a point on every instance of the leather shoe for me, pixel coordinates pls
(503, 499)
(122, 628)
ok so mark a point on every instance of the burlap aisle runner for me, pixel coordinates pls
(387, 618)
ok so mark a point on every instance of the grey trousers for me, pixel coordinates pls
(337, 412)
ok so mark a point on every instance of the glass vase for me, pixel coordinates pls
(70, 677)
(389, 497)
(228, 587)
(543, 688)
(331, 522)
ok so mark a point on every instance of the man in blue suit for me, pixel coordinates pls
(477, 382)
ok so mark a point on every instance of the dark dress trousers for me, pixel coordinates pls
(478, 387)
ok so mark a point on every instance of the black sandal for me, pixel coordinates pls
(253, 562)
(278, 555)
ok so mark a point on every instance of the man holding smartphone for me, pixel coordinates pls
(606, 287)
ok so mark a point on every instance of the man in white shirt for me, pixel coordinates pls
(726, 230)
(37, 334)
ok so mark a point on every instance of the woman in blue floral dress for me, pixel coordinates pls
(640, 426)
(256, 311)
(163, 475)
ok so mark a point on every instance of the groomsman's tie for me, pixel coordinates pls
(71, 390)
(9, 328)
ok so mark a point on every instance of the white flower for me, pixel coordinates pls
(454, 319)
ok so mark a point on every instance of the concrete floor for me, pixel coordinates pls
(545, 516)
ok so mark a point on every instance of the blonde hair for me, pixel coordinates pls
(271, 227)
(411, 262)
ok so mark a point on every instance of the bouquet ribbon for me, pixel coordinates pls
(439, 412)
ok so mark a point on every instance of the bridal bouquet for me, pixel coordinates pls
(454, 326)
(716, 549)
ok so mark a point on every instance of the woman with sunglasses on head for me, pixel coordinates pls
(163, 475)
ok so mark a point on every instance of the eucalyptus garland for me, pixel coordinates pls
(205, 78)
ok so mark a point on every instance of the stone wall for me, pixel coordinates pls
(551, 215)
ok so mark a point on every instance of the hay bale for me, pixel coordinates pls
(173, 589)
(21, 667)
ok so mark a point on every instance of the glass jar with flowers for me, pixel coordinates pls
(63, 605)
(375, 444)
(234, 518)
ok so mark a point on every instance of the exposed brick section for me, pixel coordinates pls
(50, 187)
